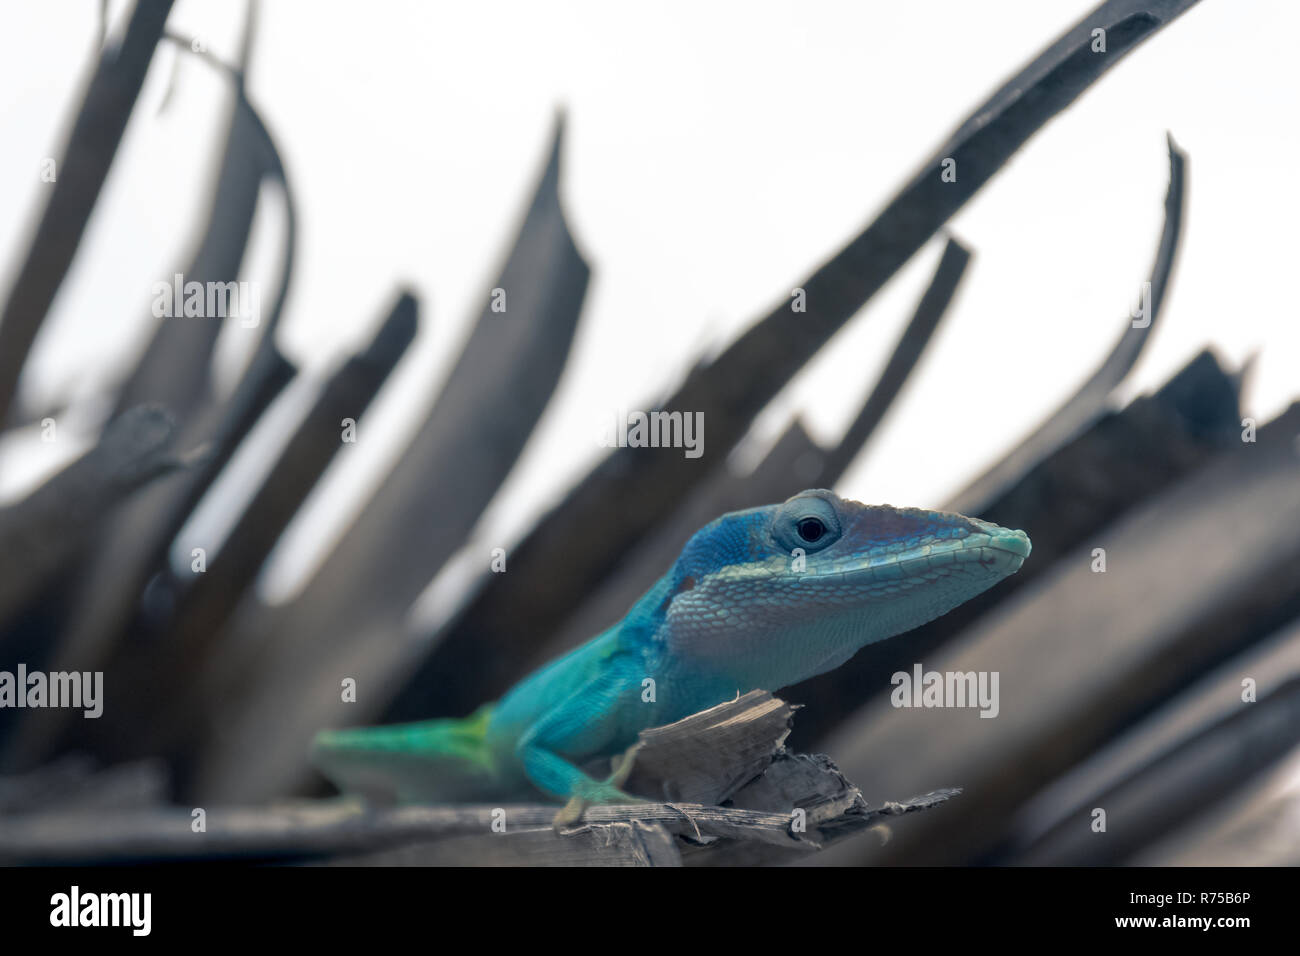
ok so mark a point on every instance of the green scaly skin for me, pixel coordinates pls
(762, 598)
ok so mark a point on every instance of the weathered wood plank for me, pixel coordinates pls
(780, 802)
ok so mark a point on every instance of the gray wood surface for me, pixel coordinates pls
(779, 804)
(1048, 831)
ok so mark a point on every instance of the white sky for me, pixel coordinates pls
(716, 153)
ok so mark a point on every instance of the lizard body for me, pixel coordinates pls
(761, 598)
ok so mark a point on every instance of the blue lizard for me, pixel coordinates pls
(761, 598)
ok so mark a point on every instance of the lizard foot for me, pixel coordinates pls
(607, 791)
(569, 814)
(572, 811)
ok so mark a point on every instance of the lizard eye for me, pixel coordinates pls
(807, 521)
(811, 530)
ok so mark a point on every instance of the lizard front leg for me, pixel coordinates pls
(585, 723)
(556, 775)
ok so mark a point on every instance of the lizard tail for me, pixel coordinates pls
(433, 761)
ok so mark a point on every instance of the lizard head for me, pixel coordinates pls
(774, 595)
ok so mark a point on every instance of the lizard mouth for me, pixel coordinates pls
(996, 552)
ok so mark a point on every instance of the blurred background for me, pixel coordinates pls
(647, 186)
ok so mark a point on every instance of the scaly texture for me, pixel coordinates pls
(761, 598)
